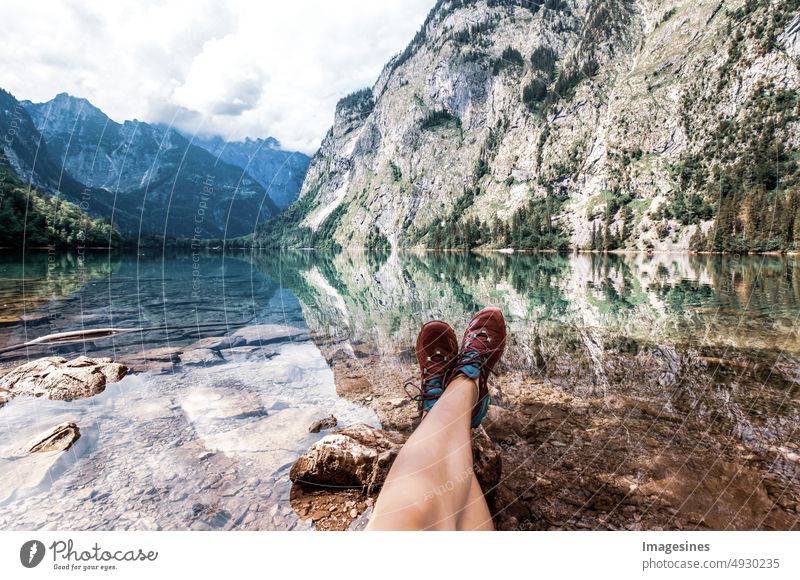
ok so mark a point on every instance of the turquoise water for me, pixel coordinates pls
(208, 446)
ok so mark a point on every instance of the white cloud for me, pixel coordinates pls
(236, 68)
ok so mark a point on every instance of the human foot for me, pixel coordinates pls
(482, 346)
(437, 347)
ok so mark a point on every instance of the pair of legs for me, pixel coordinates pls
(431, 485)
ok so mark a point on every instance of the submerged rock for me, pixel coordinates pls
(59, 438)
(323, 424)
(261, 334)
(201, 356)
(154, 360)
(58, 378)
(219, 342)
(361, 456)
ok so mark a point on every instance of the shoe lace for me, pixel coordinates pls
(478, 352)
(433, 377)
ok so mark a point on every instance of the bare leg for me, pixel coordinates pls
(475, 515)
(431, 482)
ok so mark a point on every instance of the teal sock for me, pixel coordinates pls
(434, 389)
(473, 371)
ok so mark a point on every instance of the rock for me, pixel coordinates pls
(59, 438)
(219, 342)
(323, 424)
(397, 402)
(203, 404)
(162, 354)
(201, 356)
(487, 461)
(356, 456)
(790, 37)
(360, 456)
(58, 378)
(153, 360)
(503, 425)
(33, 319)
(261, 334)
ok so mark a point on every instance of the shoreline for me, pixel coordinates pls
(361, 249)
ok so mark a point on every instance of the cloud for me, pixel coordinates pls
(233, 68)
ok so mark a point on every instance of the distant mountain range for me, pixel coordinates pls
(147, 178)
(280, 172)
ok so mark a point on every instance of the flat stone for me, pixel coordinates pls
(161, 354)
(33, 319)
(57, 378)
(59, 438)
(201, 356)
(204, 404)
(261, 334)
(219, 342)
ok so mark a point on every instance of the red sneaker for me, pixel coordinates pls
(483, 345)
(437, 347)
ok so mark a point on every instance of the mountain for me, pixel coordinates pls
(280, 172)
(27, 154)
(147, 178)
(591, 124)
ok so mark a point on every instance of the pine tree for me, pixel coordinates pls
(697, 242)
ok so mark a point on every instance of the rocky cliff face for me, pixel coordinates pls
(603, 124)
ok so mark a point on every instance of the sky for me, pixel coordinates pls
(235, 68)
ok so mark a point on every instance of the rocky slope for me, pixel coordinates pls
(595, 124)
(278, 171)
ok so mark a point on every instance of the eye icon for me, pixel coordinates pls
(31, 553)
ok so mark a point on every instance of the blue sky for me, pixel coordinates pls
(236, 68)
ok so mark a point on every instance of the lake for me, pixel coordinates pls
(669, 383)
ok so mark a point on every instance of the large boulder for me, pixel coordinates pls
(58, 378)
(356, 456)
(361, 456)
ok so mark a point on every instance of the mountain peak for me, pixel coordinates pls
(64, 105)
